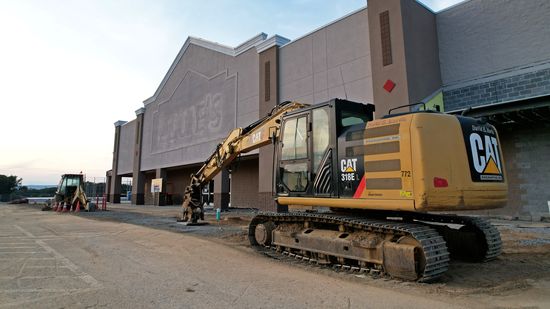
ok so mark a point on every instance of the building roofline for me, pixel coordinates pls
(140, 111)
(452, 6)
(326, 25)
(259, 41)
(224, 49)
(254, 41)
(275, 40)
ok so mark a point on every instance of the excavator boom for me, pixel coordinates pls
(240, 140)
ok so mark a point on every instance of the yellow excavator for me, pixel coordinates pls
(369, 194)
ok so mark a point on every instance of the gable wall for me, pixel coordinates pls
(208, 94)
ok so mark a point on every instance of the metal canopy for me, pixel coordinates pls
(528, 111)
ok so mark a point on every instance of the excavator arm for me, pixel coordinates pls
(240, 140)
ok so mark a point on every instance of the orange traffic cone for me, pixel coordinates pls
(60, 207)
(54, 208)
(77, 209)
(66, 208)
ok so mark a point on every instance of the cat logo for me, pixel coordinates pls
(486, 156)
(348, 165)
(348, 168)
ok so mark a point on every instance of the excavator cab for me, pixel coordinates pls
(308, 158)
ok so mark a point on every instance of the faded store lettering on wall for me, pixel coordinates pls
(200, 110)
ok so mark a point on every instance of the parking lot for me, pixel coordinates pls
(139, 257)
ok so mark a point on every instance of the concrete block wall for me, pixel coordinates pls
(526, 152)
(510, 88)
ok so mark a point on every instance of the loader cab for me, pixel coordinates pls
(308, 162)
(68, 185)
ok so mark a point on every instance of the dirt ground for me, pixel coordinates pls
(523, 266)
(519, 278)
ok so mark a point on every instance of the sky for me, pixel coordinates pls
(70, 68)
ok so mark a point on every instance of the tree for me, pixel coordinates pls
(8, 184)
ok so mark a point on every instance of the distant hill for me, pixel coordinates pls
(39, 187)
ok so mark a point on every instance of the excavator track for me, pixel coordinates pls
(430, 247)
(492, 236)
(477, 240)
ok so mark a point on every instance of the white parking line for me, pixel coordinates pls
(27, 258)
(47, 266)
(57, 294)
(24, 231)
(35, 277)
(82, 275)
(22, 251)
(43, 291)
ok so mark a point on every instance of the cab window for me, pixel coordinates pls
(295, 139)
(321, 136)
(350, 118)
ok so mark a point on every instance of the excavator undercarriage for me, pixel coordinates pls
(402, 247)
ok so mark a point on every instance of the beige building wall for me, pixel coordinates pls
(126, 148)
(207, 94)
(331, 62)
(244, 183)
(421, 50)
(269, 97)
(414, 67)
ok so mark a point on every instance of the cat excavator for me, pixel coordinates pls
(371, 194)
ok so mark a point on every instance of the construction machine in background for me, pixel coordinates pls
(70, 193)
(371, 194)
